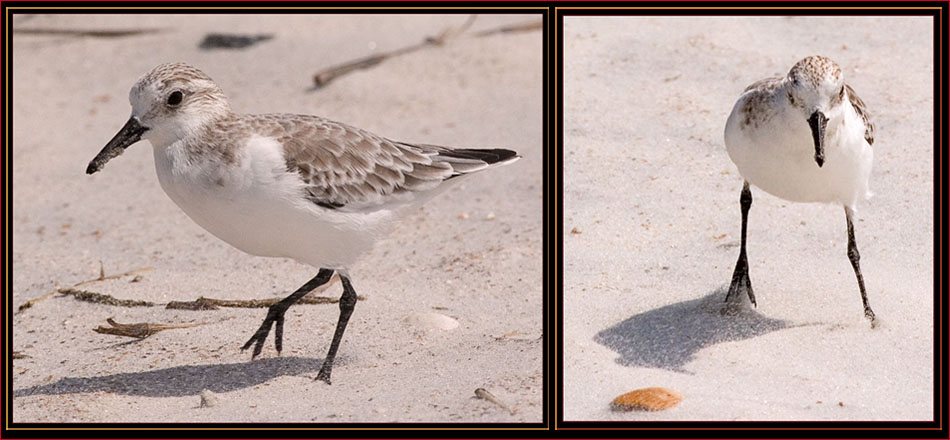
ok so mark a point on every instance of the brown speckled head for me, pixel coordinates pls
(815, 70)
(171, 102)
(174, 97)
(815, 84)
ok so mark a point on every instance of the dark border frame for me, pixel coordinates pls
(783, 429)
(185, 430)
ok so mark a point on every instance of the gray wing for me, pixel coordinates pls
(767, 84)
(862, 111)
(343, 165)
(754, 108)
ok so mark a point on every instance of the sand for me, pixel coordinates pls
(473, 254)
(652, 198)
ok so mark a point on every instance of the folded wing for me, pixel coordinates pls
(344, 166)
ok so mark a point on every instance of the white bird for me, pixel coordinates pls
(281, 185)
(805, 137)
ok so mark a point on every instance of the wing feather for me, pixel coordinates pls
(862, 111)
(767, 84)
(342, 165)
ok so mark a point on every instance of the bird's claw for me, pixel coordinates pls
(324, 375)
(260, 336)
(740, 283)
(870, 316)
(743, 284)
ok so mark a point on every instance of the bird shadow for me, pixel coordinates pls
(184, 380)
(670, 336)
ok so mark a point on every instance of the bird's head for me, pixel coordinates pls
(815, 86)
(168, 103)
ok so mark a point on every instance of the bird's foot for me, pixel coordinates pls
(275, 314)
(741, 284)
(869, 314)
(324, 373)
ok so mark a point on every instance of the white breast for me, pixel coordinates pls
(778, 156)
(258, 207)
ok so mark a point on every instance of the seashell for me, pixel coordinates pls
(432, 321)
(647, 399)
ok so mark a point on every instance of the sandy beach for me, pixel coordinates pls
(472, 255)
(652, 223)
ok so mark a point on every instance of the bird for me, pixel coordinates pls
(802, 137)
(284, 185)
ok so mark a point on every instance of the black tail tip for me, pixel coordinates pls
(489, 156)
(503, 154)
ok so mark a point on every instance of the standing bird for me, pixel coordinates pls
(805, 137)
(281, 185)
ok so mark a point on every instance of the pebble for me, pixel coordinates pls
(208, 399)
(482, 393)
(433, 321)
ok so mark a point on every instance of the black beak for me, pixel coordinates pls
(130, 133)
(817, 122)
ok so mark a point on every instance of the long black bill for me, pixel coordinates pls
(817, 122)
(130, 133)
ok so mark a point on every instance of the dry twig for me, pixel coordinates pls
(97, 33)
(484, 394)
(102, 277)
(201, 303)
(520, 27)
(261, 303)
(324, 77)
(100, 298)
(139, 330)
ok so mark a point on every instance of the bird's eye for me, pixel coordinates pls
(175, 98)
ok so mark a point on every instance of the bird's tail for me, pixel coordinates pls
(468, 160)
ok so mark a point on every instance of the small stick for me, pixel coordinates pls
(197, 304)
(452, 33)
(324, 77)
(30, 303)
(484, 394)
(139, 330)
(87, 33)
(201, 303)
(261, 303)
(99, 298)
(102, 277)
(521, 27)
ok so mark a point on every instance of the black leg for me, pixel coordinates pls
(347, 304)
(855, 258)
(275, 314)
(740, 277)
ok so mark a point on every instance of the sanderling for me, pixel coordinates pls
(280, 185)
(805, 137)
